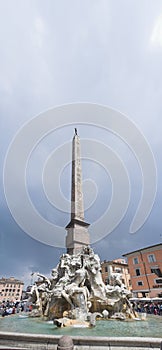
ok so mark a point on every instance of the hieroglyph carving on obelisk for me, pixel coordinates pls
(77, 209)
(77, 232)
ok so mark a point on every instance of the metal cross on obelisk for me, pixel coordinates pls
(77, 229)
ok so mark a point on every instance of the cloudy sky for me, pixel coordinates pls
(55, 53)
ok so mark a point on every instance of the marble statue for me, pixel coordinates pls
(76, 289)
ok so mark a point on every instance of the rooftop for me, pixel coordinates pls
(10, 280)
(139, 250)
(115, 262)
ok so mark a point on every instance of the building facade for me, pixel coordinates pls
(119, 267)
(10, 289)
(145, 266)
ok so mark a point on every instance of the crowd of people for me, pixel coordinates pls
(9, 308)
(154, 308)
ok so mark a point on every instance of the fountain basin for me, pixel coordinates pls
(37, 341)
(109, 328)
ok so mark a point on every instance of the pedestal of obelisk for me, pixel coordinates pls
(77, 229)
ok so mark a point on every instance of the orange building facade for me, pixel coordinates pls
(10, 289)
(145, 267)
(118, 266)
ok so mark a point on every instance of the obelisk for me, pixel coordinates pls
(77, 229)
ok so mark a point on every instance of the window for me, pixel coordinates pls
(158, 281)
(118, 269)
(138, 272)
(135, 260)
(106, 269)
(151, 258)
(156, 270)
(139, 283)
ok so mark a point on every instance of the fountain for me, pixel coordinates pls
(76, 291)
(76, 294)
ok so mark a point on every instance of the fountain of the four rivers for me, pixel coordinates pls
(75, 294)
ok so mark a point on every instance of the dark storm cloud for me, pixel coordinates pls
(106, 52)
